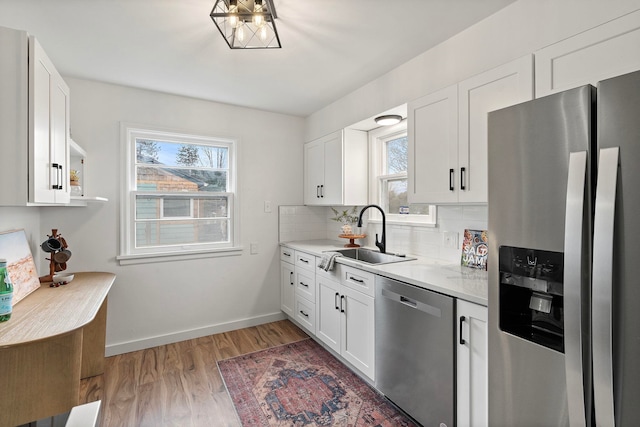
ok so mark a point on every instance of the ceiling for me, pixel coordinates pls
(330, 47)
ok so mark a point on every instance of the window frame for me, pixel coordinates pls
(377, 139)
(129, 254)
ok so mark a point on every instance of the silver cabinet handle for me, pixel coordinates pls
(322, 191)
(573, 281)
(602, 285)
(342, 300)
(335, 300)
(60, 177)
(291, 277)
(317, 191)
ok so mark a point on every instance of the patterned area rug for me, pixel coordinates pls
(302, 384)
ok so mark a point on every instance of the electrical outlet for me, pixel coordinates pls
(267, 206)
(450, 239)
(253, 248)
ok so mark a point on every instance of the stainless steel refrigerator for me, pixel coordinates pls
(564, 264)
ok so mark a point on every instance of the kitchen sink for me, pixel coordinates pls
(372, 257)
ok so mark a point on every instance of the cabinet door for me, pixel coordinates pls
(497, 88)
(603, 52)
(313, 172)
(328, 318)
(433, 147)
(287, 288)
(60, 137)
(43, 173)
(306, 284)
(472, 386)
(332, 191)
(358, 331)
(48, 139)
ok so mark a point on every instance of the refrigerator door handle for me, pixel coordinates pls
(602, 326)
(573, 278)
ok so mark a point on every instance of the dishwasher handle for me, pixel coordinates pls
(414, 304)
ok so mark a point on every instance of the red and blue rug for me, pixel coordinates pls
(302, 384)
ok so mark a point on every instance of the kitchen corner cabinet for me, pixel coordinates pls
(472, 367)
(606, 51)
(335, 169)
(34, 124)
(298, 287)
(448, 133)
(287, 283)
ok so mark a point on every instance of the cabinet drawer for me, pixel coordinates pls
(306, 284)
(305, 314)
(359, 280)
(304, 260)
(334, 274)
(287, 254)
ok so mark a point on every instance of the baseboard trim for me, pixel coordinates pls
(129, 346)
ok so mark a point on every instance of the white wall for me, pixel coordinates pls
(517, 30)
(315, 223)
(166, 302)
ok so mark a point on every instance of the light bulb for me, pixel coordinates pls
(263, 33)
(233, 18)
(240, 33)
(258, 19)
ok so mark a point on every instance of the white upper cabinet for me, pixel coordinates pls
(500, 87)
(34, 124)
(448, 133)
(433, 146)
(606, 51)
(335, 169)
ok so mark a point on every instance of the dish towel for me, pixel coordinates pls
(328, 260)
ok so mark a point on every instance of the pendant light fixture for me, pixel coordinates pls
(388, 119)
(246, 24)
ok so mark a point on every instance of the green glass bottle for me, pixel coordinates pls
(6, 292)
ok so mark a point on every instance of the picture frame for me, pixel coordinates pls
(21, 267)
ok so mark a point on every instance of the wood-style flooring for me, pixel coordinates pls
(178, 384)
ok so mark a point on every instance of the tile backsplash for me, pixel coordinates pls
(314, 222)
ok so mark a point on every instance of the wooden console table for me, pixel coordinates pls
(55, 337)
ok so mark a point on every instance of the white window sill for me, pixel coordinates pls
(131, 259)
(407, 222)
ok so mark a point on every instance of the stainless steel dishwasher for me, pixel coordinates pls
(415, 351)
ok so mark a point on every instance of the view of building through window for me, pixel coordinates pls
(163, 217)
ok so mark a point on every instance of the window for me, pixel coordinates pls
(389, 180)
(179, 194)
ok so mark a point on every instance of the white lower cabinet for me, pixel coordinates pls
(287, 287)
(472, 368)
(305, 314)
(345, 323)
(298, 287)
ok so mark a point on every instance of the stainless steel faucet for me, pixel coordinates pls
(383, 243)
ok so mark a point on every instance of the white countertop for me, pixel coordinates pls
(469, 284)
